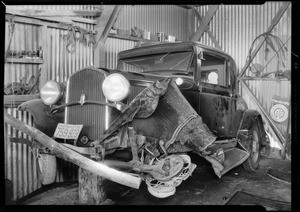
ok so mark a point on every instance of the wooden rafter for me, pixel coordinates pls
(51, 12)
(274, 22)
(211, 35)
(107, 19)
(65, 16)
(209, 15)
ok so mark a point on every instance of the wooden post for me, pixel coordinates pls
(209, 15)
(90, 188)
(104, 24)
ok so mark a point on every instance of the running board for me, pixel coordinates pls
(233, 158)
(227, 159)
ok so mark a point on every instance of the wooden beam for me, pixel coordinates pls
(211, 35)
(185, 6)
(58, 19)
(51, 12)
(44, 43)
(190, 24)
(16, 100)
(105, 22)
(274, 22)
(209, 15)
(69, 155)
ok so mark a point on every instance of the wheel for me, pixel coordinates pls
(47, 168)
(253, 146)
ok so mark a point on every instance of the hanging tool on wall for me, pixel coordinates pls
(70, 38)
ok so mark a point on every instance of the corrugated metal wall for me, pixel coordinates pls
(20, 165)
(235, 28)
(170, 19)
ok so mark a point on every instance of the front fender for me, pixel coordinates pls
(42, 121)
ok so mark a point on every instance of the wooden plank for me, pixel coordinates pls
(70, 20)
(209, 15)
(51, 12)
(274, 22)
(43, 39)
(264, 78)
(105, 23)
(69, 155)
(191, 23)
(16, 100)
(107, 20)
(211, 35)
(24, 60)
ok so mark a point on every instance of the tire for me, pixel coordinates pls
(47, 168)
(254, 147)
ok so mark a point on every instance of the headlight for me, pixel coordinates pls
(179, 81)
(115, 87)
(51, 92)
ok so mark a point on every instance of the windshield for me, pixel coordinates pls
(177, 61)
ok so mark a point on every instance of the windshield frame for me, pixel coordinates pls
(190, 67)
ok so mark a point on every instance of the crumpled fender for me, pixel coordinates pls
(175, 120)
(43, 122)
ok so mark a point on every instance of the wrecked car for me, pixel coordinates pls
(163, 101)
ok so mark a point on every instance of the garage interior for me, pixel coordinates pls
(51, 42)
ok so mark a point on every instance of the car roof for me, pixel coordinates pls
(164, 47)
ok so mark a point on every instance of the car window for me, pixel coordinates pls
(177, 61)
(213, 70)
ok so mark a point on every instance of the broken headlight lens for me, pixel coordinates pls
(51, 92)
(115, 87)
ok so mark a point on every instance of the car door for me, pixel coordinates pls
(217, 102)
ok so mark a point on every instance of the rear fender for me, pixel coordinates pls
(249, 117)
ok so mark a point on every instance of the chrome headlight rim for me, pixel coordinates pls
(112, 94)
(58, 93)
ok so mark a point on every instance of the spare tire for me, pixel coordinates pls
(47, 168)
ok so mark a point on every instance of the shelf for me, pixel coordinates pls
(127, 37)
(25, 60)
(11, 101)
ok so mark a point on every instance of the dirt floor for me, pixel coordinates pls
(202, 188)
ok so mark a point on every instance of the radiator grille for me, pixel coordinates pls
(89, 83)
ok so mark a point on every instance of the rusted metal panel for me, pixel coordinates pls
(235, 28)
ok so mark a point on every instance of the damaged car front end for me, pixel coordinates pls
(163, 101)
